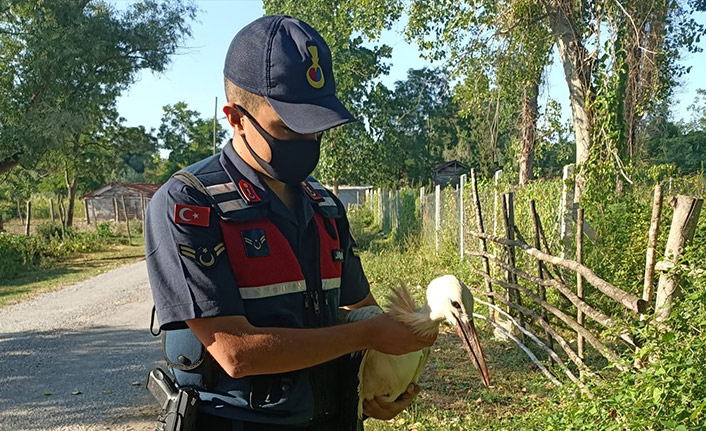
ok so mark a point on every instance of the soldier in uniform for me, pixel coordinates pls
(249, 258)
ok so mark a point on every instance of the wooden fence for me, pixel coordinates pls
(519, 307)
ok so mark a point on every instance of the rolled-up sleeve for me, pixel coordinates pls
(188, 266)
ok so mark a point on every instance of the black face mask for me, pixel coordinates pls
(292, 160)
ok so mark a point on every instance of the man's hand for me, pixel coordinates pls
(394, 338)
(379, 409)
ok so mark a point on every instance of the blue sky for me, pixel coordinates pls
(195, 75)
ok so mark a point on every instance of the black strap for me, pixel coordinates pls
(159, 329)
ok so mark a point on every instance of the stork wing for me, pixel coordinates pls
(422, 363)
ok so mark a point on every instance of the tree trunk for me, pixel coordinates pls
(577, 71)
(335, 187)
(530, 111)
(71, 185)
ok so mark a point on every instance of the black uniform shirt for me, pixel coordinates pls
(183, 289)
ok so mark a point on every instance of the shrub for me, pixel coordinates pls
(18, 253)
(47, 230)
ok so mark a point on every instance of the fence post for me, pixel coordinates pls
(29, 217)
(509, 217)
(437, 214)
(19, 212)
(498, 174)
(483, 244)
(397, 209)
(117, 211)
(461, 186)
(62, 215)
(127, 220)
(567, 207)
(686, 216)
(93, 213)
(85, 209)
(579, 279)
(51, 209)
(648, 286)
(540, 270)
(390, 209)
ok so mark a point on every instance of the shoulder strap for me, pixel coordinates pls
(321, 199)
(224, 197)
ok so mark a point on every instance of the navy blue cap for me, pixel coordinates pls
(289, 63)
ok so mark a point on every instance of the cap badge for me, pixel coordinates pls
(315, 75)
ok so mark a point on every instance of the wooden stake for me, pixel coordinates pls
(540, 272)
(62, 215)
(686, 216)
(93, 213)
(648, 287)
(85, 209)
(483, 244)
(19, 212)
(127, 220)
(51, 209)
(579, 278)
(29, 217)
(117, 211)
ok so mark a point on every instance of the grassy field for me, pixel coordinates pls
(452, 396)
(56, 274)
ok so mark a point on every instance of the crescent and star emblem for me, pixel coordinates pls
(182, 214)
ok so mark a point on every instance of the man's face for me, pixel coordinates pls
(268, 119)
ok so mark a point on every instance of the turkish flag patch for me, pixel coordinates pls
(192, 214)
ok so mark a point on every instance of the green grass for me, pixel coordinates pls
(452, 396)
(63, 273)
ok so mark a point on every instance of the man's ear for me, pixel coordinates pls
(235, 117)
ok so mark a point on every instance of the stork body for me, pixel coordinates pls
(388, 376)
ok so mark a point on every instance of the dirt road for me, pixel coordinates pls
(77, 358)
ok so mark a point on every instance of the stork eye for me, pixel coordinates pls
(456, 305)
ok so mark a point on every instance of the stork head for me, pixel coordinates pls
(450, 300)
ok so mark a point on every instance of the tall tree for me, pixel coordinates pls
(61, 58)
(187, 137)
(346, 25)
(610, 86)
(498, 51)
(64, 64)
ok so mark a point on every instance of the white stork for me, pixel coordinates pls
(388, 376)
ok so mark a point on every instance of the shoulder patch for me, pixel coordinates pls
(204, 256)
(255, 243)
(191, 214)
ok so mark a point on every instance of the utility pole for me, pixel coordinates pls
(215, 112)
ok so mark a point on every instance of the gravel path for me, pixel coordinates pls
(77, 358)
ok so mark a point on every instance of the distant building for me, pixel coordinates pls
(106, 203)
(448, 173)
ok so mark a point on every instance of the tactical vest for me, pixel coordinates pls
(274, 292)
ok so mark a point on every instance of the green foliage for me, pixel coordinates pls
(70, 61)
(669, 393)
(187, 137)
(20, 253)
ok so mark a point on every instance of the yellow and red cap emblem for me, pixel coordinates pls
(315, 75)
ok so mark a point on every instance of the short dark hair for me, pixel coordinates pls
(251, 102)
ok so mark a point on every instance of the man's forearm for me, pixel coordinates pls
(277, 350)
